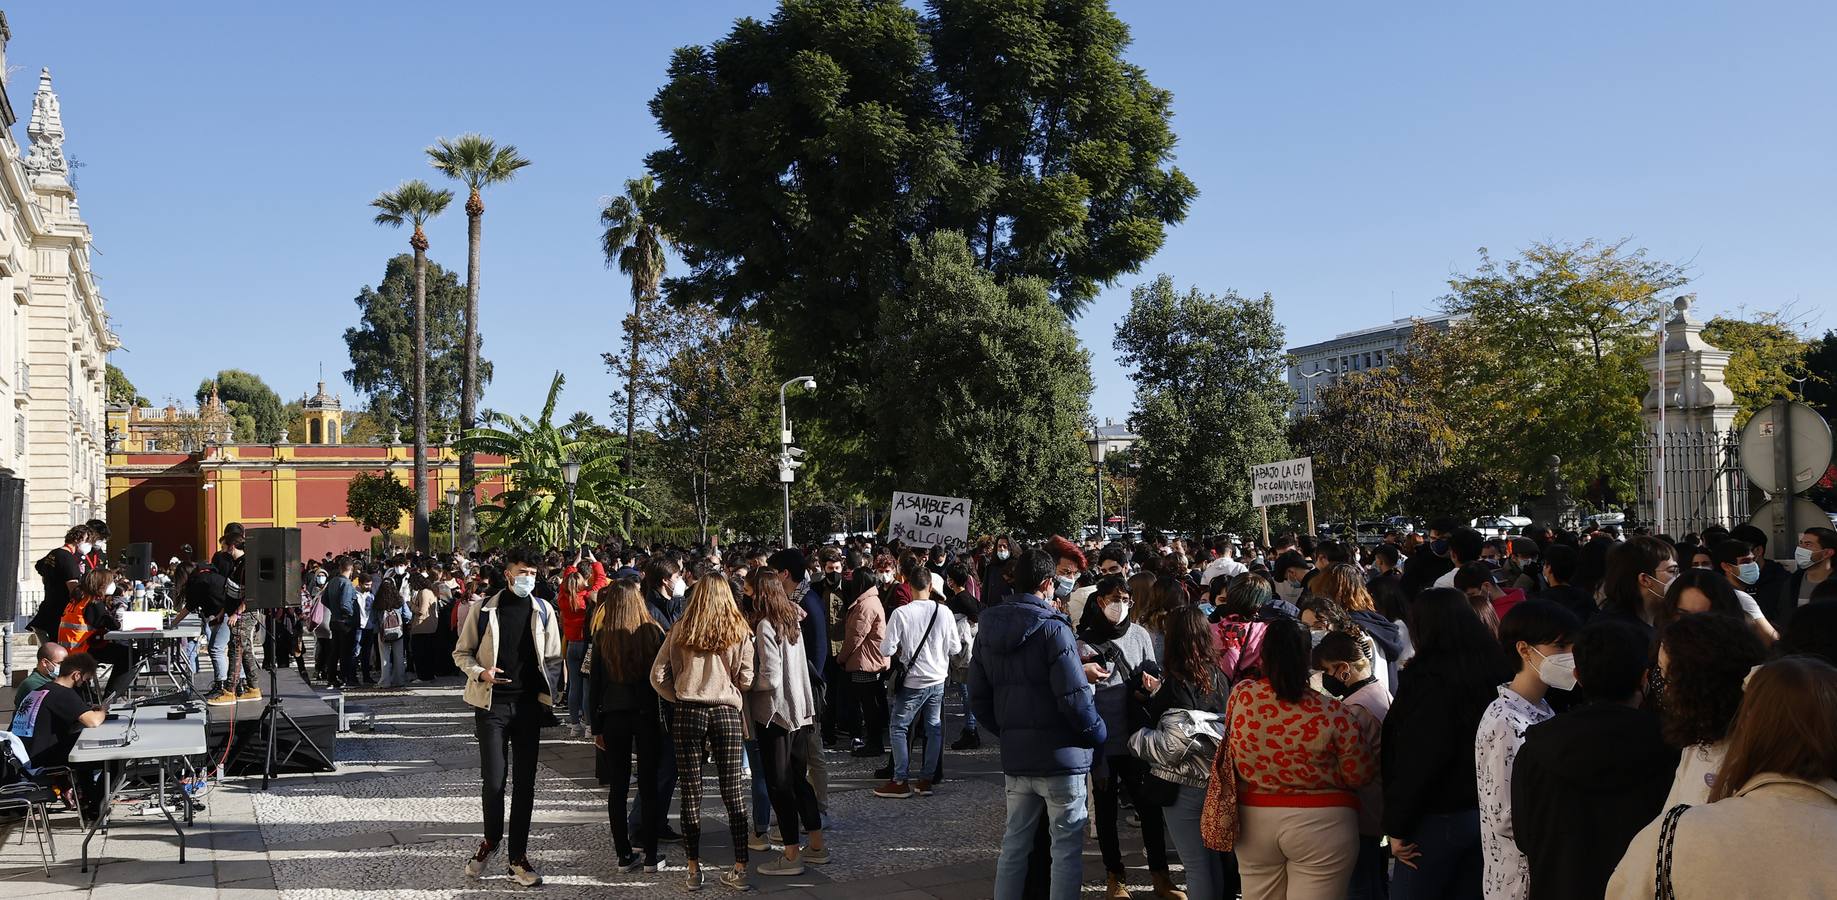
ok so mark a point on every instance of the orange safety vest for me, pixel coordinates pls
(73, 630)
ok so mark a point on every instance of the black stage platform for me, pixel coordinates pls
(318, 718)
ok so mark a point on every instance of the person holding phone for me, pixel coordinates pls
(511, 651)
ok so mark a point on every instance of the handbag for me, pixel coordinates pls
(1219, 826)
(1667, 840)
(898, 670)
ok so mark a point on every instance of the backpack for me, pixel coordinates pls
(392, 625)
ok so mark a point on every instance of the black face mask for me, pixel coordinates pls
(1335, 686)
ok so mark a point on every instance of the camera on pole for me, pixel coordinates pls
(788, 462)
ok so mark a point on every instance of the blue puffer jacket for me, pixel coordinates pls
(1028, 688)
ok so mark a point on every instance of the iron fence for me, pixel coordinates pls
(1704, 483)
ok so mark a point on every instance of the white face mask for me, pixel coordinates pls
(1117, 612)
(523, 584)
(678, 588)
(111, 589)
(1556, 671)
(84, 548)
(1001, 554)
(1803, 557)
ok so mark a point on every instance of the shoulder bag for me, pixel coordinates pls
(897, 669)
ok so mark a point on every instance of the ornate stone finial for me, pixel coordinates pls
(45, 162)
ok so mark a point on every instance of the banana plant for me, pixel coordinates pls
(533, 512)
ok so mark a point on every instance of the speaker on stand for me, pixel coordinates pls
(272, 567)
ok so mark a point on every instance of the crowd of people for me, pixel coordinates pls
(1555, 714)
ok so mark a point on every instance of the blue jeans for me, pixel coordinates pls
(1060, 799)
(1451, 862)
(577, 683)
(969, 715)
(1209, 873)
(220, 649)
(908, 703)
(762, 798)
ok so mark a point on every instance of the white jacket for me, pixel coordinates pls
(475, 652)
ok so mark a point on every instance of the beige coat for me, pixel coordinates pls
(682, 675)
(477, 648)
(1772, 839)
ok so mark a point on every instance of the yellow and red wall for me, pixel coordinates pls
(175, 499)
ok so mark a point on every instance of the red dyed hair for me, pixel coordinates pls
(1060, 548)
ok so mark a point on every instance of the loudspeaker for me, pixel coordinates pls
(272, 567)
(12, 510)
(137, 562)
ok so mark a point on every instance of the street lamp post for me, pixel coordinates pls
(452, 504)
(788, 456)
(1095, 443)
(570, 473)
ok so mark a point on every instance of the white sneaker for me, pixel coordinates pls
(475, 866)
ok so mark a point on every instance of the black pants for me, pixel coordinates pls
(787, 780)
(344, 654)
(871, 697)
(119, 656)
(512, 728)
(1125, 772)
(626, 733)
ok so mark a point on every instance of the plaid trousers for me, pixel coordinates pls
(694, 727)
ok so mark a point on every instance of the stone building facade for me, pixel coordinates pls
(54, 333)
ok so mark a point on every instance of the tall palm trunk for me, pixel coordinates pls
(631, 403)
(421, 537)
(468, 395)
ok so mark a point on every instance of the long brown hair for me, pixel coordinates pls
(710, 622)
(771, 605)
(625, 637)
(1787, 724)
(1342, 583)
(1190, 658)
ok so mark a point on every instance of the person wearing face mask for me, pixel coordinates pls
(1113, 650)
(50, 656)
(995, 584)
(1289, 569)
(1585, 782)
(60, 569)
(511, 651)
(1735, 559)
(51, 719)
(863, 628)
(1816, 557)
(1347, 675)
(95, 611)
(1705, 660)
(662, 588)
(1535, 635)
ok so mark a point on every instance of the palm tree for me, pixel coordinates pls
(635, 244)
(478, 162)
(415, 202)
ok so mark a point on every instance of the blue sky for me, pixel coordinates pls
(1350, 157)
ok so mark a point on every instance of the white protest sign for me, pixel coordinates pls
(1278, 483)
(927, 520)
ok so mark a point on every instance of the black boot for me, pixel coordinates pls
(970, 739)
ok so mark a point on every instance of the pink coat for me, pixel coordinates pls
(863, 630)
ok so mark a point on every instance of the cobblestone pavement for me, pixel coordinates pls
(400, 816)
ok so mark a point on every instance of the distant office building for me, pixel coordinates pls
(1315, 366)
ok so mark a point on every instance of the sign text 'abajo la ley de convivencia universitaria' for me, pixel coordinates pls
(928, 520)
(1277, 483)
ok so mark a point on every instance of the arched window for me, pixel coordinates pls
(312, 432)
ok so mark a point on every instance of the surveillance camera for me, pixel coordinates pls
(810, 384)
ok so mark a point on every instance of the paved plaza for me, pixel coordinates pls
(400, 816)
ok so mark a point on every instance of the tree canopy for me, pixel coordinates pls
(982, 388)
(1209, 402)
(805, 152)
(1546, 360)
(377, 501)
(1767, 358)
(254, 407)
(382, 345)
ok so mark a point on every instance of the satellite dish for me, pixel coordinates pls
(1811, 447)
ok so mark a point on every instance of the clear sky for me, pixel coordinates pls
(1349, 158)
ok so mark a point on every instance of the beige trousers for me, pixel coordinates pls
(1296, 854)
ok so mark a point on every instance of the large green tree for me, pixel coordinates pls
(1209, 402)
(1548, 362)
(1820, 390)
(806, 150)
(1372, 436)
(982, 388)
(718, 428)
(253, 406)
(1767, 359)
(381, 346)
(414, 202)
(478, 162)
